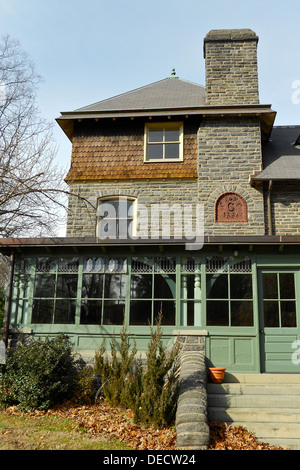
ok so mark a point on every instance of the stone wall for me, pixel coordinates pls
(82, 218)
(285, 208)
(231, 67)
(229, 151)
(191, 417)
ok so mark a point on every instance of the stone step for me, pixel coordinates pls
(254, 389)
(270, 430)
(267, 405)
(254, 415)
(252, 401)
(262, 378)
(287, 443)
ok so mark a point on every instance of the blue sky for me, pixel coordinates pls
(90, 50)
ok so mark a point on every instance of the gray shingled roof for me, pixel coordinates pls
(168, 93)
(281, 157)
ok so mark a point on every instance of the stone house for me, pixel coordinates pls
(184, 200)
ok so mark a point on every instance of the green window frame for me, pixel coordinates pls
(103, 291)
(279, 299)
(55, 290)
(229, 292)
(100, 289)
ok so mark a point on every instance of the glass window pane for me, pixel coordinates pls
(95, 265)
(287, 286)
(155, 135)
(241, 313)
(115, 286)
(172, 151)
(155, 152)
(42, 311)
(44, 285)
(68, 265)
(64, 311)
(165, 286)
(113, 312)
(45, 264)
(288, 314)
(66, 285)
(92, 285)
(190, 282)
(141, 286)
(140, 312)
(240, 286)
(172, 135)
(167, 308)
(271, 314)
(270, 288)
(217, 286)
(217, 313)
(90, 313)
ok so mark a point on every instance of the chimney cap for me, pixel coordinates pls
(226, 35)
(230, 35)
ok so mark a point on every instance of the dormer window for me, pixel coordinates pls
(164, 142)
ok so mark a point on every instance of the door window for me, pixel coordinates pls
(279, 300)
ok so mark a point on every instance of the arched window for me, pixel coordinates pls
(231, 207)
(116, 217)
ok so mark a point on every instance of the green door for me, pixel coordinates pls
(279, 320)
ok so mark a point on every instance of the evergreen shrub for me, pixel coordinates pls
(150, 390)
(38, 374)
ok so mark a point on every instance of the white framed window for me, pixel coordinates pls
(116, 217)
(163, 142)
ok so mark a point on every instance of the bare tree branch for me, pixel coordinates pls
(32, 188)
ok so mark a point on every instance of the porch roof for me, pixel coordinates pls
(7, 244)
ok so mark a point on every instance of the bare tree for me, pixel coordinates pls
(32, 190)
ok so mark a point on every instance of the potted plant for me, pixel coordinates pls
(217, 374)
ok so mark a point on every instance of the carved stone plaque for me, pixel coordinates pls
(231, 207)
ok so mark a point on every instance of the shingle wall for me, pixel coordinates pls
(115, 149)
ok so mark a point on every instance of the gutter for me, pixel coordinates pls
(9, 299)
(269, 208)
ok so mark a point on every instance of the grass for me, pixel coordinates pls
(49, 433)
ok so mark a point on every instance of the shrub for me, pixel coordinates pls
(38, 374)
(157, 401)
(151, 390)
(115, 372)
(85, 386)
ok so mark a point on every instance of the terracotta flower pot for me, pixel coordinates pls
(216, 374)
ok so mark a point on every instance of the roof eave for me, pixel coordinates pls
(7, 245)
(266, 114)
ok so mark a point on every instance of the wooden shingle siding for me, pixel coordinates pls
(115, 150)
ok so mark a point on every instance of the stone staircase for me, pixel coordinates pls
(267, 405)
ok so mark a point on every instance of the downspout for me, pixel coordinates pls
(269, 209)
(9, 299)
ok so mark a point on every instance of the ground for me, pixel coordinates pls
(104, 421)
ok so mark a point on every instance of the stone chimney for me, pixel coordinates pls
(231, 67)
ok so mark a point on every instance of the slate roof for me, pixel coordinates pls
(281, 155)
(164, 94)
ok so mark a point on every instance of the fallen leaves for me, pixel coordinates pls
(103, 420)
(225, 437)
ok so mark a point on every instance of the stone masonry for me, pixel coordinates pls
(228, 151)
(83, 220)
(191, 417)
(231, 67)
